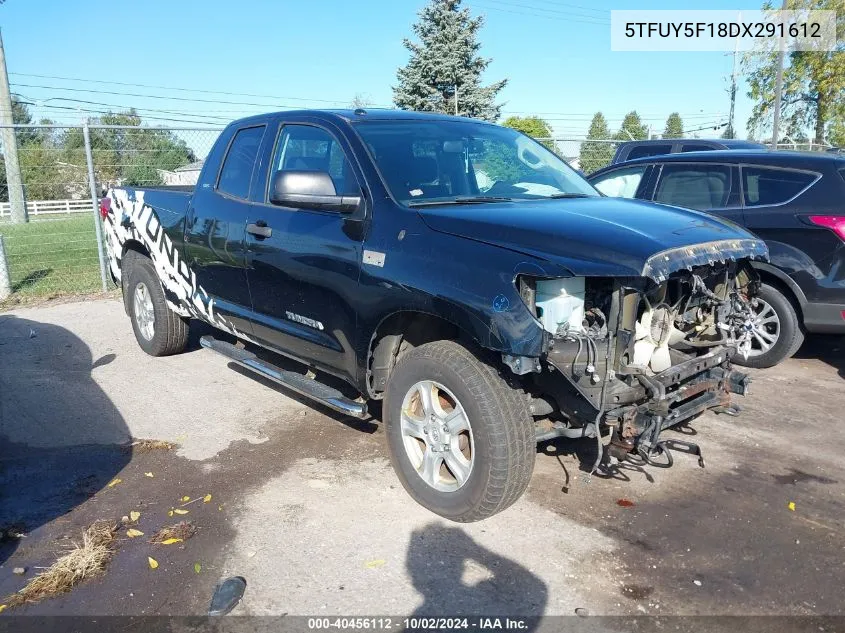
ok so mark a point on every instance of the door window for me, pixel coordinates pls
(308, 148)
(236, 173)
(694, 186)
(696, 147)
(621, 183)
(764, 185)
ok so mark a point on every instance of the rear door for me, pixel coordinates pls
(215, 246)
(303, 270)
(710, 187)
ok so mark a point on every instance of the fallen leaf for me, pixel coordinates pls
(2, 608)
(148, 475)
(132, 533)
(114, 482)
(206, 498)
(186, 498)
(219, 508)
(372, 564)
(170, 513)
(180, 511)
(171, 541)
(197, 568)
(153, 562)
(791, 506)
(251, 554)
(134, 515)
(625, 503)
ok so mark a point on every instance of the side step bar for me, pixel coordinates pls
(299, 383)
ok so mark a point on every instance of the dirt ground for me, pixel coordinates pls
(304, 504)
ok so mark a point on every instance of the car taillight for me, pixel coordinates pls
(835, 223)
(105, 207)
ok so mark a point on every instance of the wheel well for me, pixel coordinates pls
(396, 335)
(772, 280)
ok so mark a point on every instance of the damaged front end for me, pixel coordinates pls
(641, 354)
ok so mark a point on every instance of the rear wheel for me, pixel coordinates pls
(158, 330)
(460, 438)
(776, 332)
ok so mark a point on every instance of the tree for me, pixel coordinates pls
(533, 126)
(674, 126)
(444, 61)
(729, 131)
(632, 128)
(596, 155)
(360, 101)
(813, 80)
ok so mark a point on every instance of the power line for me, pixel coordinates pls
(569, 14)
(537, 15)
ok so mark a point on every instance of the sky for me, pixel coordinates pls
(322, 53)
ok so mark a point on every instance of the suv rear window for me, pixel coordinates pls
(696, 147)
(694, 186)
(766, 185)
(649, 150)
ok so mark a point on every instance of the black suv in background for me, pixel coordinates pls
(794, 201)
(657, 147)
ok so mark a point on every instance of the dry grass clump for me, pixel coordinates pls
(84, 561)
(182, 531)
(151, 445)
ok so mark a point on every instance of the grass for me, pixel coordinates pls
(85, 560)
(49, 258)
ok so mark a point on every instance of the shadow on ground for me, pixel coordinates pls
(61, 438)
(826, 348)
(456, 576)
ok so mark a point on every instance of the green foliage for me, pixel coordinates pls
(633, 125)
(596, 155)
(674, 126)
(533, 126)
(446, 56)
(813, 81)
(729, 132)
(54, 165)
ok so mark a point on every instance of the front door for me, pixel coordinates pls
(304, 274)
(709, 187)
(215, 246)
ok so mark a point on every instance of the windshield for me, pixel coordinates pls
(426, 162)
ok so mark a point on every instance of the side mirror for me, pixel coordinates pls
(304, 189)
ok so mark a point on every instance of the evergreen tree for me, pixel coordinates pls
(595, 155)
(445, 58)
(633, 125)
(674, 126)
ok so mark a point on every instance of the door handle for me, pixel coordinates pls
(259, 229)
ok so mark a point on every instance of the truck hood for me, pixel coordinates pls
(600, 236)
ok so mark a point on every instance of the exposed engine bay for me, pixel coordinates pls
(639, 355)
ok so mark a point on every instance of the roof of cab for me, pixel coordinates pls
(359, 114)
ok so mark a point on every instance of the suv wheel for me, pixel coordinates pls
(776, 333)
(461, 439)
(158, 330)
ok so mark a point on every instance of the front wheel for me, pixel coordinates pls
(460, 438)
(776, 332)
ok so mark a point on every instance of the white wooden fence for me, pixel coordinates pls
(50, 207)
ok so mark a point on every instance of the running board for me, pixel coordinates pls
(299, 383)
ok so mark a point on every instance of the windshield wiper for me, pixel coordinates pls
(568, 195)
(461, 200)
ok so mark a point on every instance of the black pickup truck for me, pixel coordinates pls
(459, 271)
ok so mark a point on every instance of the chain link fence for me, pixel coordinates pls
(58, 249)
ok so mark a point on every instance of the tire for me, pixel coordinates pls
(500, 439)
(168, 332)
(787, 337)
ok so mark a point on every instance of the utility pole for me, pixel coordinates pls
(14, 183)
(778, 87)
(731, 127)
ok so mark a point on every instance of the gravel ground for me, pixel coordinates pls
(305, 506)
